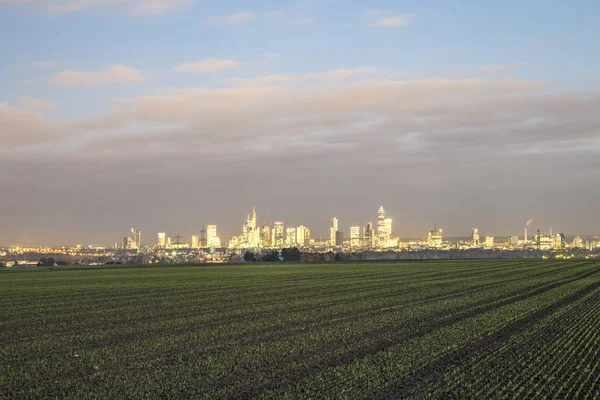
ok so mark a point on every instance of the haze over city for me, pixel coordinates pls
(166, 114)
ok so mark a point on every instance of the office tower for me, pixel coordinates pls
(169, 242)
(435, 238)
(355, 237)
(475, 237)
(290, 237)
(333, 230)
(489, 242)
(135, 240)
(384, 229)
(162, 240)
(339, 238)
(265, 236)
(559, 242)
(301, 235)
(195, 241)
(514, 241)
(277, 235)
(250, 233)
(368, 236)
(212, 240)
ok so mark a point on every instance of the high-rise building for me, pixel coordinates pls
(301, 235)
(212, 240)
(134, 240)
(384, 229)
(290, 237)
(333, 230)
(489, 242)
(277, 235)
(559, 242)
(435, 238)
(355, 237)
(514, 241)
(368, 236)
(475, 237)
(339, 238)
(265, 236)
(195, 241)
(162, 240)
(169, 242)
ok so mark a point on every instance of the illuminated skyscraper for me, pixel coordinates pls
(162, 240)
(355, 237)
(212, 240)
(277, 235)
(250, 233)
(368, 236)
(134, 241)
(435, 238)
(301, 235)
(265, 236)
(489, 242)
(195, 241)
(290, 237)
(384, 229)
(333, 231)
(475, 237)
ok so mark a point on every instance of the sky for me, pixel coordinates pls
(166, 114)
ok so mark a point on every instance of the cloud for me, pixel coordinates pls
(385, 19)
(341, 74)
(436, 138)
(33, 104)
(232, 19)
(111, 75)
(134, 7)
(391, 21)
(494, 68)
(206, 66)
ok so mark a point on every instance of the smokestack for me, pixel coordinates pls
(525, 233)
(550, 232)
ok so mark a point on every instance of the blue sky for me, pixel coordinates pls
(295, 78)
(549, 39)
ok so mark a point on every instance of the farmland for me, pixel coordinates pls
(476, 329)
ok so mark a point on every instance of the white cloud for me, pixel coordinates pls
(391, 21)
(232, 19)
(135, 7)
(341, 74)
(33, 104)
(112, 74)
(206, 66)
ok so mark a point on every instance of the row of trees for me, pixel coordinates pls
(288, 255)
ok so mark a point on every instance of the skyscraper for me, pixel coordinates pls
(212, 240)
(195, 241)
(475, 237)
(355, 237)
(435, 238)
(134, 241)
(290, 237)
(368, 236)
(333, 231)
(162, 240)
(301, 235)
(277, 235)
(265, 236)
(384, 229)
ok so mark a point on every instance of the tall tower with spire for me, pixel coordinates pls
(384, 229)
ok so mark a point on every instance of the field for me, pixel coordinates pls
(480, 329)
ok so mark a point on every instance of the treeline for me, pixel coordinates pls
(287, 255)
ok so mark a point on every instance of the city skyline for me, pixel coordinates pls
(186, 111)
(253, 235)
